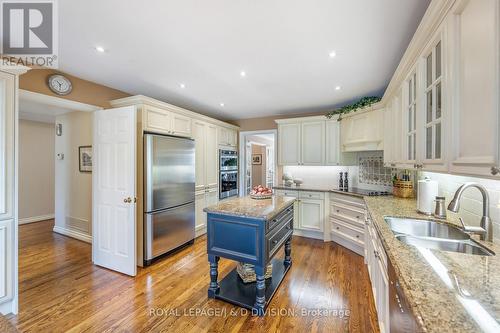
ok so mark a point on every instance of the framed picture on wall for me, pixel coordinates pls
(257, 159)
(85, 158)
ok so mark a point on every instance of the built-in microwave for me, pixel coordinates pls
(228, 173)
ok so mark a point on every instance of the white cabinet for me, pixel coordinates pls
(206, 182)
(332, 128)
(313, 143)
(205, 137)
(159, 120)
(203, 199)
(393, 132)
(227, 137)
(302, 141)
(376, 261)
(362, 131)
(475, 100)
(289, 142)
(6, 264)
(311, 214)
(347, 221)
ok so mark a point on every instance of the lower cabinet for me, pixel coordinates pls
(376, 260)
(347, 222)
(203, 199)
(309, 213)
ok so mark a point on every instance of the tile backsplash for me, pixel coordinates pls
(324, 176)
(471, 205)
(373, 172)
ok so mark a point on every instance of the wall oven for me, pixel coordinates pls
(228, 174)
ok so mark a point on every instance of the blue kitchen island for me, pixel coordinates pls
(249, 231)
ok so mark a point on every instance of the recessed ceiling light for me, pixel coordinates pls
(243, 73)
(182, 85)
(332, 54)
(222, 104)
(100, 49)
(337, 88)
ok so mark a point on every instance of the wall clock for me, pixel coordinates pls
(59, 84)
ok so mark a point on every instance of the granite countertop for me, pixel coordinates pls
(248, 207)
(447, 291)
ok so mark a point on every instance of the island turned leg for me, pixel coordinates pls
(288, 251)
(260, 296)
(213, 289)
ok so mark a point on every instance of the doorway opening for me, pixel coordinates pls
(258, 160)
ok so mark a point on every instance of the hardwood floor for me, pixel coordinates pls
(60, 290)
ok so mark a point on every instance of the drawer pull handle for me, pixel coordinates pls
(338, 228)
(338, 211)
(357, 236)
(274, 221)
(357, 217)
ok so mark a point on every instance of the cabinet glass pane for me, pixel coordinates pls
(410, 145)
(438, 60)
(428, 143)
(410, 92)
(414, 87)
(410, 119)
(438, 100)
(414, 117)
(429, 106)
(429, 69)
(414, 146)
(438, 141)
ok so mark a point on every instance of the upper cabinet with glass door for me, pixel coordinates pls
(433, 155)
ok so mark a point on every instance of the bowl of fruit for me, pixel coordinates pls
(261, 192)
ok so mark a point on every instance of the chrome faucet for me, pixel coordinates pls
(486, 230)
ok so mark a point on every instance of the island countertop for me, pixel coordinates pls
(248, 207)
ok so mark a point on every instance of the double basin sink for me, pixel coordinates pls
(434, 235)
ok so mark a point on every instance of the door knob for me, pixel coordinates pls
(127, 200)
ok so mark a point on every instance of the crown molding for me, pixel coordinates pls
(145, 100)
(431, 21)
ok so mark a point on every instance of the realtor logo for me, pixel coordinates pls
(28, 32)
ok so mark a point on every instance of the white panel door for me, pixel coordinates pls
(199, 135)
(475, 106)
(181, 125)
(289, 144)
(313, 143)
(311, 214)
(114, 189)
(7, 98)
(211, 156)
(200, 215)
(332, 142)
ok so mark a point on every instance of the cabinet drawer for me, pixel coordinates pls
(346, 199)
(275, 240)
(311, 195)
(348, 214)
(285, 215)
(348, 231)
(288, 193)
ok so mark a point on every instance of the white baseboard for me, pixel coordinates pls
(309, 233)
(33, 219)
(8, 308)
(200, 230)
(73, 233)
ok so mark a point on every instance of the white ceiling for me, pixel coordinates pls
(283, 46)
(36, 111)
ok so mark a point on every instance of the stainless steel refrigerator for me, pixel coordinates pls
(169, 178)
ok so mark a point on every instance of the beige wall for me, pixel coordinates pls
(83, 91)
(36, 171)
(73, 188)
(259, 171)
